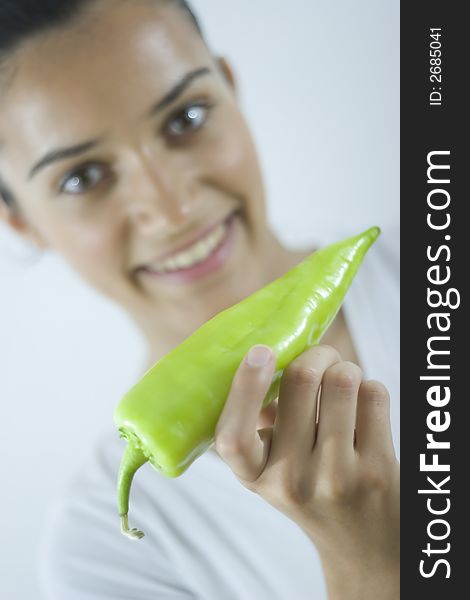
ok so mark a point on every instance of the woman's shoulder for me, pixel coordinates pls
(372, 308)
(82, 551)
(388, 249)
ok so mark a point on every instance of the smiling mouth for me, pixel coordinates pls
(196, 254)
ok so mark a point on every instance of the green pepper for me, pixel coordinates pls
(169, 417)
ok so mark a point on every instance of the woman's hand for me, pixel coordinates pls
(328, 463)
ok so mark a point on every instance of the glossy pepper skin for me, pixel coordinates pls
(169, 417)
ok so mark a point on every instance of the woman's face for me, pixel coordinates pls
(122, 141)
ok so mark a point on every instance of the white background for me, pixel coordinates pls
(319, 83)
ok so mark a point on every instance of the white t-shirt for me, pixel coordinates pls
(208, 537)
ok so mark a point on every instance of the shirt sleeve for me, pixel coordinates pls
(84, 556)
(372, 309)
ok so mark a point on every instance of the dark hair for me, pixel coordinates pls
(6, 195)
(22, 19)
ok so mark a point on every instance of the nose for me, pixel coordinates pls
(158, 198)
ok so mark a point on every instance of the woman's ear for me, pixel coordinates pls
(13, 218)
(227, 72)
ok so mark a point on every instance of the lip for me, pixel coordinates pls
(192, 240)
(212, 263)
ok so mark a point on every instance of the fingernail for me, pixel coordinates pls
(258, 356)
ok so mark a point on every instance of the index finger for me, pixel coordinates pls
(237, 439)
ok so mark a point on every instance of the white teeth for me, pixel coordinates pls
(194, 254)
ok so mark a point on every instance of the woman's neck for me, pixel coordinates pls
(279, 261)
(338, 334)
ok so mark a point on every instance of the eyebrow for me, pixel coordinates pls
(71, 151)
(177, 90)
(61, 154)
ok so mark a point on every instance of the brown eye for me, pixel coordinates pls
(190, 119)
(84, 179)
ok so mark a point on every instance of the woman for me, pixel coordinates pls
(134, 153)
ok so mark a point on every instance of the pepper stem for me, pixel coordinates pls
(132, 459)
